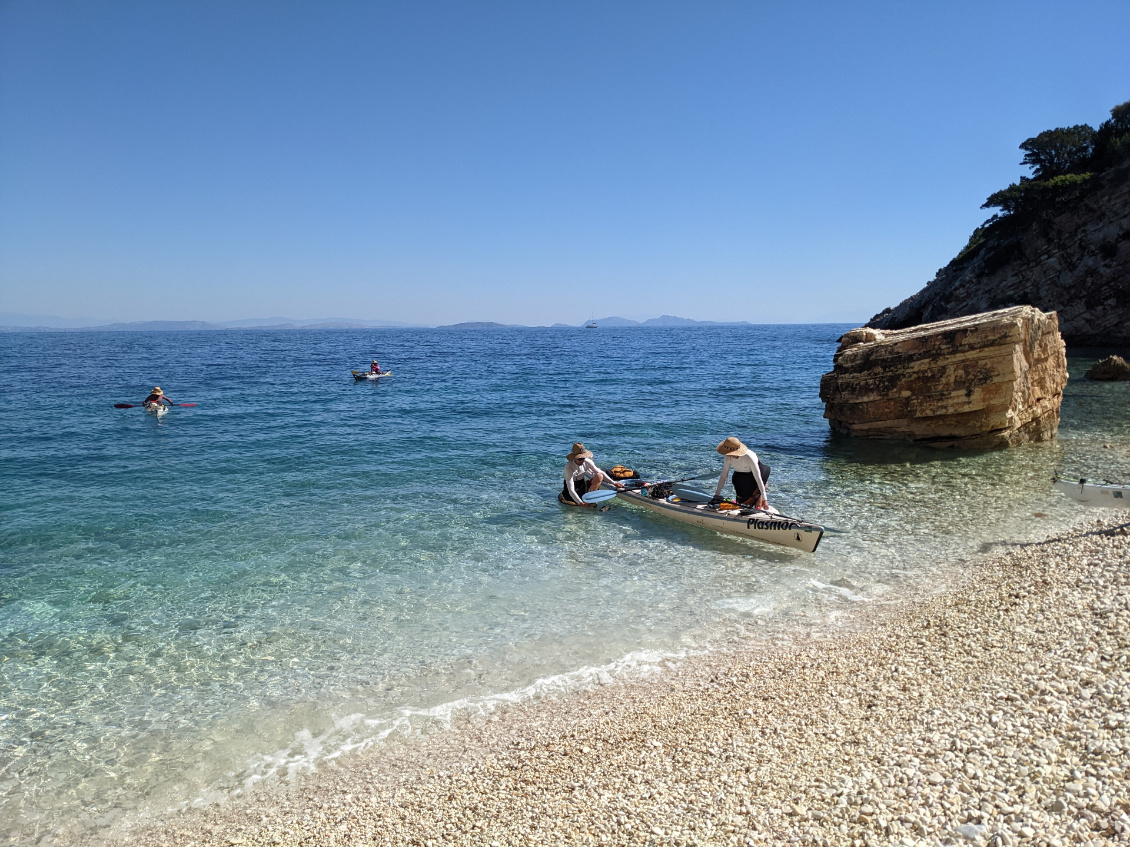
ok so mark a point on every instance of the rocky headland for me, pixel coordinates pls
(1061, 242)
(983, 381)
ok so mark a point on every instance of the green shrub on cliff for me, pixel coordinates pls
(1033, 194)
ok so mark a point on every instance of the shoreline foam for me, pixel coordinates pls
(996, 712)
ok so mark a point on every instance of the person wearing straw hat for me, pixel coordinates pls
(750, 474)
(157, 398)
(581, 468)
(374, 368)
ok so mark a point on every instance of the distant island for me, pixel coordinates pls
(478, 325)
(663, 320)
(7, 324)
(49, 324)
(1059, 241)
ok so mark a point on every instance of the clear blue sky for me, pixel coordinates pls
(524, 162)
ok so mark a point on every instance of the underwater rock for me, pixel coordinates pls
(1112, 368)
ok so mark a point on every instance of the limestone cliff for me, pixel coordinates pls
(1073, 259)
(990, 380)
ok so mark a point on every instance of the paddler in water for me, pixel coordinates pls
(157, 398)
(750, 474)
(374, 368)
(580, 468)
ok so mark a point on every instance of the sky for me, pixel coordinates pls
(522, 162)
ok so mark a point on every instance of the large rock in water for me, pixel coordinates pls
(989, 380)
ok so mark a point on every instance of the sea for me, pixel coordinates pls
(301, 565)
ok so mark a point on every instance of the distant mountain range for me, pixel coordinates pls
(664, 320)
(44, 323)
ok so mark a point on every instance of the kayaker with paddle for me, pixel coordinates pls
(750, 474)
(374, 368)
(157, 398)
(581, 468)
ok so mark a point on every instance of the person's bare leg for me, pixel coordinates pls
(596, 480)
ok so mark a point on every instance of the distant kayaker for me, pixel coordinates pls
(374, 368)
(750, 474)
(580, 468)
(157, 398)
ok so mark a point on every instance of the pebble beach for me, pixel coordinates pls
(994, 712)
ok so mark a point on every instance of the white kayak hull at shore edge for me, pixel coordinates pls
(1094, 494)
(762, 526)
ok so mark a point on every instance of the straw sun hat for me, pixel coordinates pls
(157, 389)
(579, 452)
(732, 447)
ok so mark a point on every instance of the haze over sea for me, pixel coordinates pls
(302, 565)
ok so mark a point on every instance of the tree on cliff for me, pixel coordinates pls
(1055, 152)
(1059, 241)
(1112, 140)
(1062, 160)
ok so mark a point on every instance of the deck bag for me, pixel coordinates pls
(622, 472)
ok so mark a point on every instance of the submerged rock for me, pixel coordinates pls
(989, 380)
(1109, 369)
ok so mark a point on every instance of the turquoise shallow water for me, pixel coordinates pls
(300, 564)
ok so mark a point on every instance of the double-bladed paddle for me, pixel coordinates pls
(692, 494)
(135, 405)
(598, 496)
(603, 494)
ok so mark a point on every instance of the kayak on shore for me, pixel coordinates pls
(360, 375)
(1094, 494)
(699, 509)
(768, 526)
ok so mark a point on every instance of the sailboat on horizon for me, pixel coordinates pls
(592, 322)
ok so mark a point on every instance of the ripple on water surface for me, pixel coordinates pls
(301, 564)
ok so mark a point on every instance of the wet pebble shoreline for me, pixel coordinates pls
(996, 713)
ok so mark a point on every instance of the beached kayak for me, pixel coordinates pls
(158, 410)
(1094, 494)
(359, 375)
(752, 523)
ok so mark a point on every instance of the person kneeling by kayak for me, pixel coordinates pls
(750, 474)
(374, 368)
(157, 398)
(581, 467)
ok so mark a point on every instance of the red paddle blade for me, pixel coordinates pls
(187, 404)
(124, 405)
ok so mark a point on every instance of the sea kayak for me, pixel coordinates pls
(1094, 494)
(158, 410)
(771, 527)
(360, 375)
